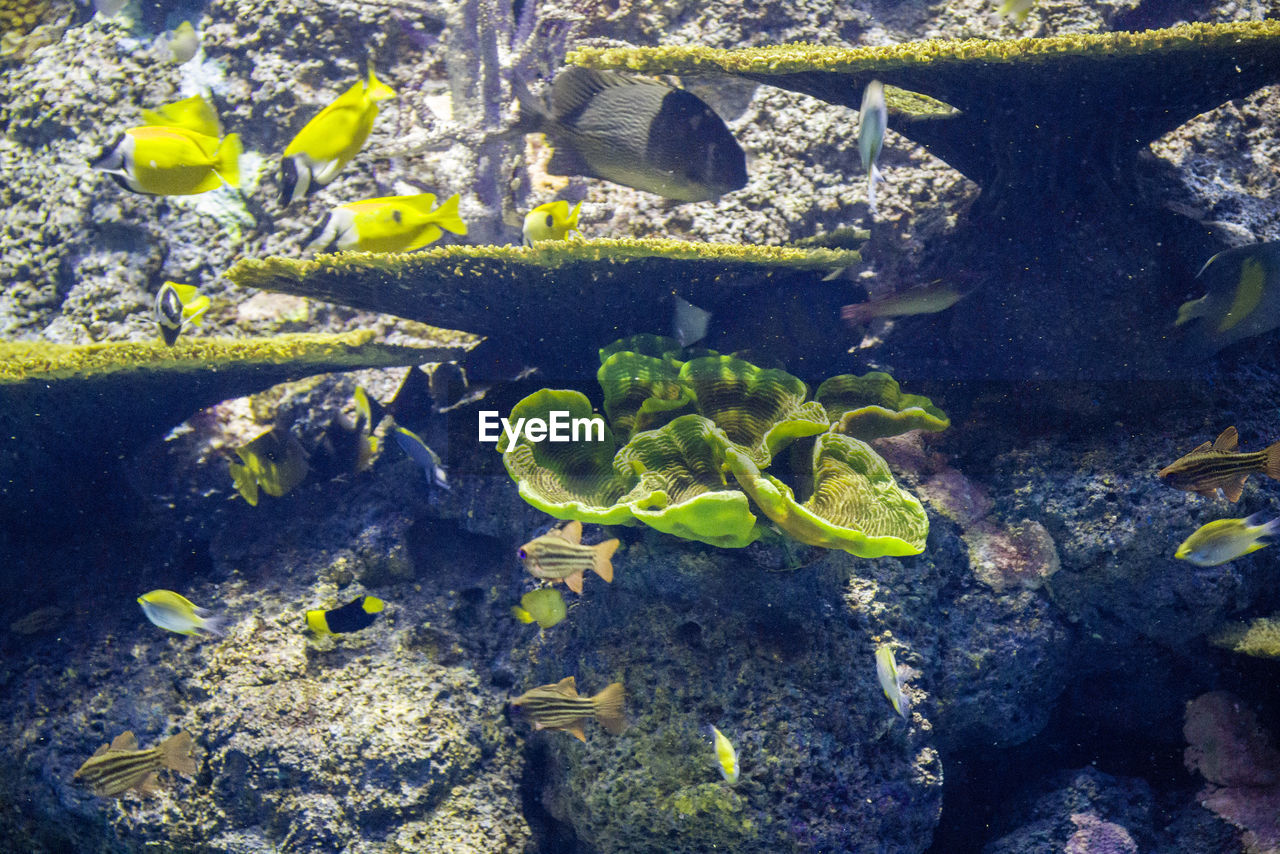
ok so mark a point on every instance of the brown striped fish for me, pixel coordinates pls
(558, 706)
(1219, 466)
(560, 556)
(120, 766)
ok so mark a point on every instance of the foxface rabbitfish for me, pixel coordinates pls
(1219, 466)
(636, 132)
(120, 766)
(558, 706)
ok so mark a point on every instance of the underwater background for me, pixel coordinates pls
(937, 524)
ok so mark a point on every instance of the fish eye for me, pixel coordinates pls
(550, 220)
(522, 554)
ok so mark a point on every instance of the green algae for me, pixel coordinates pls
(546, 302)
(82, 409)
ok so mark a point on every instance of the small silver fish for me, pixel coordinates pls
(873, 118)
(689, 323)
(411, 443)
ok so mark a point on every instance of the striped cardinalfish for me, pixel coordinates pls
(120, 766)
(1219, 466)
(560, 556)
(558, 706)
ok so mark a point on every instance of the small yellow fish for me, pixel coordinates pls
(182, 43)
(726, 756)
(1209, 468)
(891, 680)
(274, 461)
(331, 139)
(1017, 9)
(117, 767)
(175, 612)
(559, 555)
(387, 224)
(177, 307)
(545, 606)
(558, 706)
(177, 153)
(551, 221)
(1227, 539)
(359, 613)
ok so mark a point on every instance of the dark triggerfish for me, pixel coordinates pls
(558, 706)
(1219, 466)
(120, 766)
(635, 132)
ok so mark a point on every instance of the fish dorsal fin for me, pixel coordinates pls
(574, 88)
(422, 204)
(101, 750)
(194, 114)
(576, 731)
(571, 533)
(568, 686)
(124, 741)
(1229, 440)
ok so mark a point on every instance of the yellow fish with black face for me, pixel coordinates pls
(388, 224)
(551, 221)
(177, 153)
(331, 139)
(177, 307)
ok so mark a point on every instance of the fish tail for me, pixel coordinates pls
(175, 752)
(228, 165)
(602, 559)
(375, 90)
(857, 314)
(608, 706)
(871, 190)
(1271, 529)
(571, 222)
(1272, 466)
(213, 625)
(447, 216)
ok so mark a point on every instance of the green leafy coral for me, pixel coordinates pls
(874, 406)
(698, 473)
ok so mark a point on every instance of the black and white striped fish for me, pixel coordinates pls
(120, 766)
(559, 555)
(558, 706)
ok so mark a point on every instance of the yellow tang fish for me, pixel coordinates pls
(175, 612)
(388, 224)
(1226, 539)
(551, 221)
(560, 556)
(177, 307)
(545, 606)
(331, 139)
(726, 756)
(558, 706)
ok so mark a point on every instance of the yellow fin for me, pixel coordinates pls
(228, 163)
(608, 707)
(1249, 289)
(373, 605)
(194, 113)
(375, 90)
(602, 561)
(574, 582)
(571, 532)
